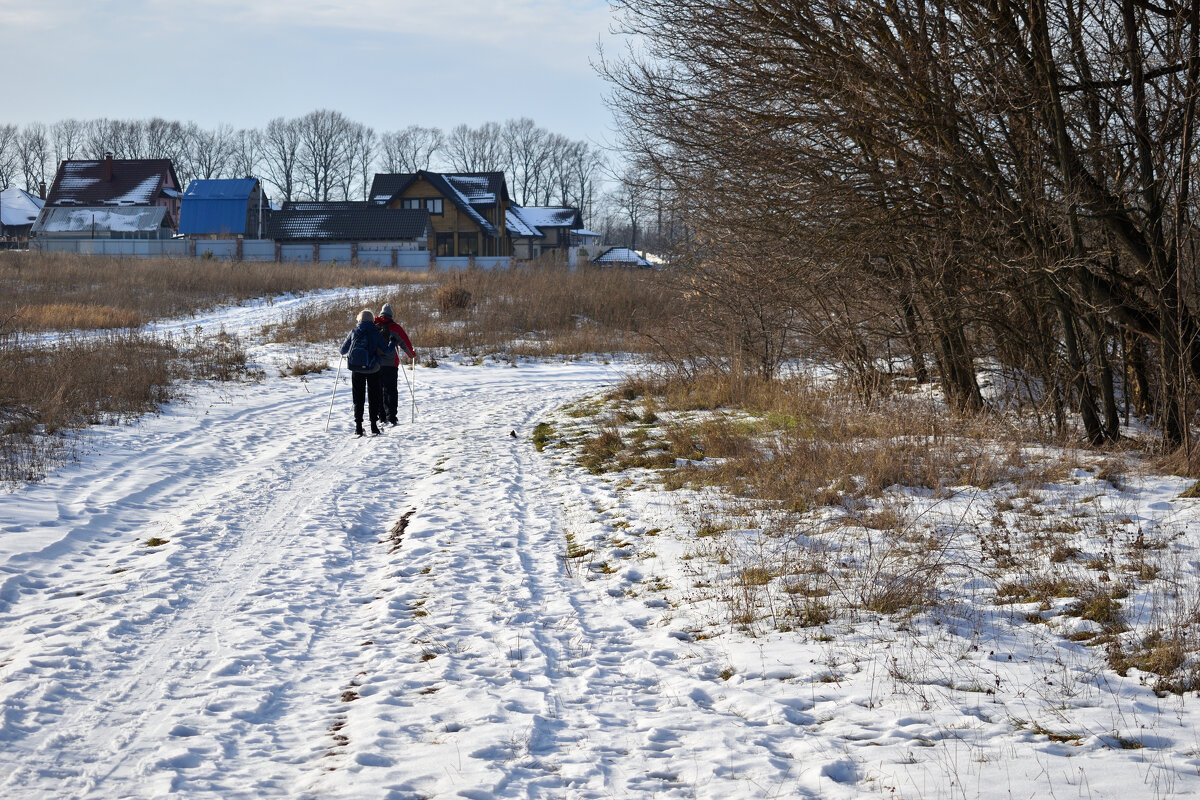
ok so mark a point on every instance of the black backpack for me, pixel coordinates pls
(361, 355)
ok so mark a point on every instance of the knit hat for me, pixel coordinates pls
(386, 311)
(366, 315)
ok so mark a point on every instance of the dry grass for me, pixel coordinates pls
(57, 291)
(522, 311)
(48, 391)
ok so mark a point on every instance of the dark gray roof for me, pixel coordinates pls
(336, 222)
(621, 256)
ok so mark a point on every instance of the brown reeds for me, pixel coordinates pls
(521, 311)
(58, 291)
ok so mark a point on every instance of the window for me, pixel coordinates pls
(431, 204)
(468, 244)
(445, 244)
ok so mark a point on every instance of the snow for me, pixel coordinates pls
(18, 207)
(393, 617)
(104, 218)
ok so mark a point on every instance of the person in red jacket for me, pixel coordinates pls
(390, 372)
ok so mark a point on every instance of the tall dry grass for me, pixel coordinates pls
(58, 291)
(524, 310)
(49, 390)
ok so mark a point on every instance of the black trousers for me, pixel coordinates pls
(389, 380)
(365, 386)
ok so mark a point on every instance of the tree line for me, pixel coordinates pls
(999, 184)
(321, 155)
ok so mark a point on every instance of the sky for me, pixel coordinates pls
(385, 63)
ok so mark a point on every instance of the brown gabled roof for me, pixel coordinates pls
(134, 182)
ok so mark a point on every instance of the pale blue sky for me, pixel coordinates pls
(384, 63)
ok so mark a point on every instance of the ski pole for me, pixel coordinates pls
(333, 394)
(411, 393)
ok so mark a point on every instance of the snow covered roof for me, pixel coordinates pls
(584, 232)
(134, 182)
(621, 256)
(19, 207)
(129, 219)
(551, 216)
(518, 227)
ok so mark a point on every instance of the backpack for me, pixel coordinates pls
(361, 355)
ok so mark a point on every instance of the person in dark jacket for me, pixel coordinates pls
(389, 371)
(364, 380)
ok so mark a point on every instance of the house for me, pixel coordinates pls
(18, 210)
(127, 198)
(620, 257)
(468, 210)
(214, 209)
(349, 222)
(539, 230)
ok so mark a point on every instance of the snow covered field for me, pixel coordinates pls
(393, 617)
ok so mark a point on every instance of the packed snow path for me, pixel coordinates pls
(226, 601)
(330, 616)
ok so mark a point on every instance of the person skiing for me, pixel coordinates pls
(389, 370)
(365, 349)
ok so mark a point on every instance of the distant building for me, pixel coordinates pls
(214, 209)
(467, 209)
(620, 257)
(540, 230)
(112, 199)
(18, 211)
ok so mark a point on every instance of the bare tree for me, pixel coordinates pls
(411, 149)
(525, 157)
(246, 153)
(362, 152)
(324, 155)
(10, 137)
(35, 153)
(281, 156)
(68, 136)
(475, 149)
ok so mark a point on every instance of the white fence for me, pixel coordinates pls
(267, 250)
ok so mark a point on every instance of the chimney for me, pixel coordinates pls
(108, 166)
(42, 190)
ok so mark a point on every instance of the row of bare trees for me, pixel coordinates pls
(322, 155)
(999, 184)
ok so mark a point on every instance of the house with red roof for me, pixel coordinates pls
(112, 198)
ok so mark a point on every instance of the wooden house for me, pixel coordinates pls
(542, 230)
(468, 211)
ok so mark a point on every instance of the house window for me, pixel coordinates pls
(468, 244)
(434, 205)
(445, 244)
(410, 203)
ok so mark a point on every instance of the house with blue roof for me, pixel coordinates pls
(224, 209)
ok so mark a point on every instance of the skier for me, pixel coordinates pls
(389, 370)
(365, 349)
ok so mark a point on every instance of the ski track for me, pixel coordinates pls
(275, 647)
(392, 618)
